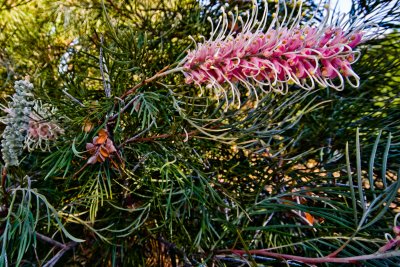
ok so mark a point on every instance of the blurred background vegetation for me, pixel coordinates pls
(276, 177)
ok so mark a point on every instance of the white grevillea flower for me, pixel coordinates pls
(17, 122)
(261, 57)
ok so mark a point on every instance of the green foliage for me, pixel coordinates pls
(22, 220)
(192, 177)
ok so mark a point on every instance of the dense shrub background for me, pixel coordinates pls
(306, 173)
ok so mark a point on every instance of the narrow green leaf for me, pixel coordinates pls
(391, 195)
(359, 177)
(353, 194)
(371, 164)
(75, 151)
(384, 160)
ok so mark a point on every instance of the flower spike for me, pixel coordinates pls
(16, 121)
(272, 58)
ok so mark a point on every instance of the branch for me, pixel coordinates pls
(172, 249)
(103, 68)
(137, 136)
(50, 241)
(63, 248)
(133, 100)
(56, 257)
(3, 185)
(327, 259)
(187, 135)
(73, 98)
(159, 74)
(152, 138)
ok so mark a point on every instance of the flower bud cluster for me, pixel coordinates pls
(17, 122)
(101, 148)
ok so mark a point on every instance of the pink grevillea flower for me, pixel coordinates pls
(42, 130)
(392, 242)
(272, 58)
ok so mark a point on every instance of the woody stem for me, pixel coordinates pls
(161, 73)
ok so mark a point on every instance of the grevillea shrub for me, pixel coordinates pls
(198, 133)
